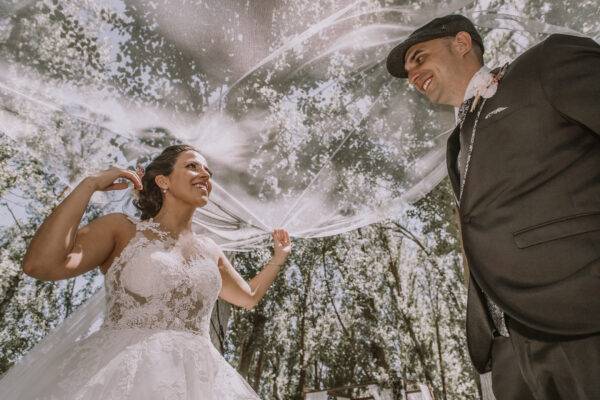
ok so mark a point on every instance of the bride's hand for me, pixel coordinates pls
(106, 180)
(282, 245)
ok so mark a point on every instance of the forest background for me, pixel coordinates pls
(384, 303)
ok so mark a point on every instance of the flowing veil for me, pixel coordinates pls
(34, 365)
(289, 101)
(298, 124)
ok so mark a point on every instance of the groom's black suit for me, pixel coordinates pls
(530, 209)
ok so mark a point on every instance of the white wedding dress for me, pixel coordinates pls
(154, 341)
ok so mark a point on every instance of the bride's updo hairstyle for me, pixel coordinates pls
(150, 198)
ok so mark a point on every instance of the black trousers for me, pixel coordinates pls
(534, 366)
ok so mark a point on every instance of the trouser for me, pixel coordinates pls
(530, 365)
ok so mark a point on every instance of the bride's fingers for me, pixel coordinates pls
(116, 186)
(133, 177)
(281, 238)
(278, 236)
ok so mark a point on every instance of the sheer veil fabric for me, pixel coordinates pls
(289, 101)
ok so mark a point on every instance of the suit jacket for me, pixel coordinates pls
(530, 209)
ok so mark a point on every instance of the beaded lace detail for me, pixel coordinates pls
(158, 282)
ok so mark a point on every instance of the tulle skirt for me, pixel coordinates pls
(139, 364)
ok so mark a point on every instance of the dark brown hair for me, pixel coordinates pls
(150, 199)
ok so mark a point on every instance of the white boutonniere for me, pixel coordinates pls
(486, 85)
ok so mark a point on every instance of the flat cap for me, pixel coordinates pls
(449, 25)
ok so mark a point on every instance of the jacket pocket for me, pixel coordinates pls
(492, 116)
(557, 229)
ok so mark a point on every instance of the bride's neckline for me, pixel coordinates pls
(163, 238)
(155, 227)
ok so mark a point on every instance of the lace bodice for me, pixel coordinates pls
(158, 282)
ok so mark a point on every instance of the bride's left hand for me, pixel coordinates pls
(282, 245)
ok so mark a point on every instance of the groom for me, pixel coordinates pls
(524, 163)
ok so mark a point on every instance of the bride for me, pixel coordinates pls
(161, 283)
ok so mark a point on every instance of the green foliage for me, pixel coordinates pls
(28, 308)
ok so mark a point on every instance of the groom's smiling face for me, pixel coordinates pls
(435, 69)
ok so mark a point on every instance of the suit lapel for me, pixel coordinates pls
(452, 149)
(470, 126)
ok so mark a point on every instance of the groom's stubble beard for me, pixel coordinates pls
(452, 73)
(453, 80)
(450, 67)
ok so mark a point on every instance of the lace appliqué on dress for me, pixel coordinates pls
(160, 282)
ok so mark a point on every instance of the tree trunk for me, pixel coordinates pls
(251, 343)
(438, 340)
(302, 331)
(258, 369)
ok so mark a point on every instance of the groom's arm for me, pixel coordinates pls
(570, 78)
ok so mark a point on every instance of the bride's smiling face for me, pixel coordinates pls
(189, 181)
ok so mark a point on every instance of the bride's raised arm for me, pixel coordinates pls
(237, 291)
(60, 250)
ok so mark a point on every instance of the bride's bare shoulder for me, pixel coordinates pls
(119, 223)
(124, 229)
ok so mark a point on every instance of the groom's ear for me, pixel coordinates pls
(462, 43)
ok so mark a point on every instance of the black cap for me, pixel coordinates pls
(449, 25)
